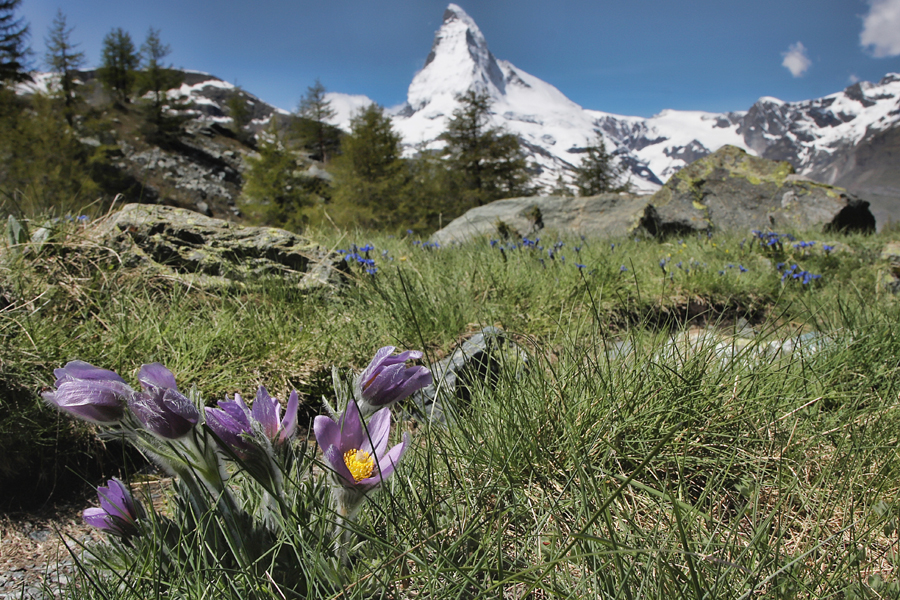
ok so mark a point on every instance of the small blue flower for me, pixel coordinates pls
(372, 270)
(622, 269)
(742, 269)
(580, 266)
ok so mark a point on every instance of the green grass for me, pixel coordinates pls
(662, 471)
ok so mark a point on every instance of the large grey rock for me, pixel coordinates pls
(476, 362)
(207, 252)
(732, 190)
(727, 190)
(606, 215)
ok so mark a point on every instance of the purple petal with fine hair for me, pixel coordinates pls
(267, 412)
(379, 428)
(156, 375)
(289, 423)
(351, 428)
(365, 378)
(386, 464)
(396, 382)
(237, 410)
(230, 430)
(96, 517)
(335, 458)
(166, 413)
(327, 433)
(101, 402)
(116, 499)
(78, 369)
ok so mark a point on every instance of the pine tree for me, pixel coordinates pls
(154, 76)
(371, 176)
(489, 162)
(311, 129)
(119, 61)
(598, 174)
(13, 49)
(156, 79)
(240, 115)
(277, 192)
(63, 58)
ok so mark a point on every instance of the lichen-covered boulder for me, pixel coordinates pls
(476, 362)
(605, 215)
(732, 190)
(207, 252)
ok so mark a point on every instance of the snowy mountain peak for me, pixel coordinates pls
(459, 60)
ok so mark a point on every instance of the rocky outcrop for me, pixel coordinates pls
(727, 190)
(476, 363)
(207, 253)
(606, 215)
(731, 189)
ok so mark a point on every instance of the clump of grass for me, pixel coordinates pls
(683, 464)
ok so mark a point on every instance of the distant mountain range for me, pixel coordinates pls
(850, 138)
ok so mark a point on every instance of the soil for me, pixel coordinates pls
(35, 561)
(37, 547)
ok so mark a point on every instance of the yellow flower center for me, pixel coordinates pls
(360, 463)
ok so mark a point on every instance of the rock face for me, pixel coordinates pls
(727, 190)
(206, 252)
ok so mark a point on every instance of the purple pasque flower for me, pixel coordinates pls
(118, 510)
(231, 422)
(161, 408)
(89, 393)
(387, 379)
(358, 455)
(267, 412)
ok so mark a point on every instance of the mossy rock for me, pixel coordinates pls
(209, 253)
(732, 190)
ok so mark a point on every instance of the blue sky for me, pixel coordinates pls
(632, 58)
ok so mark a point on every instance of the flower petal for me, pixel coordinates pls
(266, 411)
(156, 375)
(327, 433)
(351, 428)
(377, 434)
(78, 369)
(97, 401)
(289, 423)
(374, 365)
(335, 459)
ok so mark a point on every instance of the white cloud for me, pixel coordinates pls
(853, 78)
(795, 59)
(881, 28)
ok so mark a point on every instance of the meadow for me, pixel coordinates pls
(714, 416)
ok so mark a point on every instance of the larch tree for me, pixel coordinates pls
(62, 57)
(598, 172)
(14, 50)
(118, 64)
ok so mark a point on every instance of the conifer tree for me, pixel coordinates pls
(157, 79)
(597, 173)
(154, 76)
(489, 161)
(312, 128)
(119, 61)
(63, 58)
(240, 115)
(276, 191)
(13, 49)
(370, 174)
